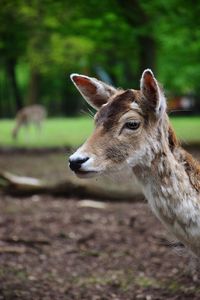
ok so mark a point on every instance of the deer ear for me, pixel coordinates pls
(153, 93)
(95, 92)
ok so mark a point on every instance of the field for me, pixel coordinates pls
(187, 128)
(55, 133)
(73, 131)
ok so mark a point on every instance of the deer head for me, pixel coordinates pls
(128, 125)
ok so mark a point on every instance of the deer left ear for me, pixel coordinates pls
(153, 93)
(94, 91)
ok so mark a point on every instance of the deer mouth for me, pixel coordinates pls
(85, 174)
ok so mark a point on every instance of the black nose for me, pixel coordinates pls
(75, 164)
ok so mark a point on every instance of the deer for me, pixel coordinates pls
(30, 114)
(133, 131)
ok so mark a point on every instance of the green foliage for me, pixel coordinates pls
(51, 39)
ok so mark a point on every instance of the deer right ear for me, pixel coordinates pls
(95, 92)
(153, 93)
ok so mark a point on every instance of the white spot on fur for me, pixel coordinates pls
(134, 105)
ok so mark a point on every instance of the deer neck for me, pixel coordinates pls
(164, 177)
(172, 192)
(161, 171)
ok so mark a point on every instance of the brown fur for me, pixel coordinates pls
(111, 112)
(172, 139)
(29, 114)
(192, 168)
(117, 153)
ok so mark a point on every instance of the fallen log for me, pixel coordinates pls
(23, 186)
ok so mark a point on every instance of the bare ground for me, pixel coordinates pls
(52, 248)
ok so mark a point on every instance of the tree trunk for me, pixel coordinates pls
(147, 54)
(11, 70)
(33, 89)
(137, 18)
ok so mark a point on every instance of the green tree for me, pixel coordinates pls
(13, 38)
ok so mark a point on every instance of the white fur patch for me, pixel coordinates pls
(134, 105)
(89, 164)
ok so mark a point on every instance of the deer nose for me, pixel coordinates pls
(75, 164)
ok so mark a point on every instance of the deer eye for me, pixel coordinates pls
(132, 125)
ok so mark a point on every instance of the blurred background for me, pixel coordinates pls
(42, 42)
(51, 248)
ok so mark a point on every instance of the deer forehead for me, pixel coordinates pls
(119, 105)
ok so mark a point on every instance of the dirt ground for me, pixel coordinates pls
(55, 248)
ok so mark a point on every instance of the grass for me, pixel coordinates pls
(187, 128)
(74, 131)
(55, 133)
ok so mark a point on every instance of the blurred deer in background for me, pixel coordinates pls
(34, 114)
(132, 130)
